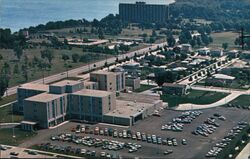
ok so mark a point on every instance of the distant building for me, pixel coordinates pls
(132, 68)
(140, 12)
(217, 53)
(133, 82)
(245, 55)
(219, 80)
(204, 51)
(233, 53)
(175, 89)
(186, 48)
(179, 69)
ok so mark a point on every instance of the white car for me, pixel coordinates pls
(103, 154)
(83, 151)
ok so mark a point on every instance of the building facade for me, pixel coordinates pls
(140, 12)
(46, 109)
(175, 89)
(67, 100)
(28, 90)
(109, 81)
(91, 105)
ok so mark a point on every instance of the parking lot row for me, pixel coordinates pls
(218, 148)
(177, 123)
(209, 126)
(128, 134)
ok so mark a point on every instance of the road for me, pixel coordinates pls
(86, 68)
(185, 80)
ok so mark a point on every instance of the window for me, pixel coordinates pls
(53, 109)
(61, 104)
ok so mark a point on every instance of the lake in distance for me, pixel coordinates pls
(17, 14)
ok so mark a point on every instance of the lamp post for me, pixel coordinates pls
(13, 129)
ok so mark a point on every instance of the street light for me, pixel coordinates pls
(13, 129)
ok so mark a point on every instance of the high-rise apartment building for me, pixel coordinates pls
(140, 12)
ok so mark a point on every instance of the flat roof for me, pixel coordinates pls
(174, 85)
(127, 109)
(141, 98)
(102, 72)
(132, 64)
(89, 82)
(246, 52)
(65, 83)
(33, 86)
(29, 122)
(44, 97)
(223, 76)
(94, 93)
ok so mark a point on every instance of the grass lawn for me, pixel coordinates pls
(194, 97)
(223, 37)
(7, 99)
(6, 117)
(58, 65)
(144, 88)
(7, 139)
(242, 101)
(234, 85)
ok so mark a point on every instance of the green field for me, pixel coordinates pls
(58, 65)
(194, 97)
(242, 101)
(6, 115)
(6, 136)
(223, 37)
(144, 88)
(7, 99)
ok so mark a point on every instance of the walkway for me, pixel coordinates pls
(245, 153)
(7, 104)
(234, 93)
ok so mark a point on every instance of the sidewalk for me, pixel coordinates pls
(221, 102)
(245, 153)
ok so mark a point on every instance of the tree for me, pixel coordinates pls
(6, 69)
(48, 54)
(75, 57)
(154, 33)
(3, 85)
(65, 42)
(65, 57)
(193, 43)
(127, 58)
(18, 52)
(16, 69)
(198, 41)
(190, 78)
(25, 72)
(205, 39)
(171, 41)
(100, 34)
(225, 46)
(160, 78)
(1, 57)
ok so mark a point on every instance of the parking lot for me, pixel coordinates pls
(16, 152)
(197, 145)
